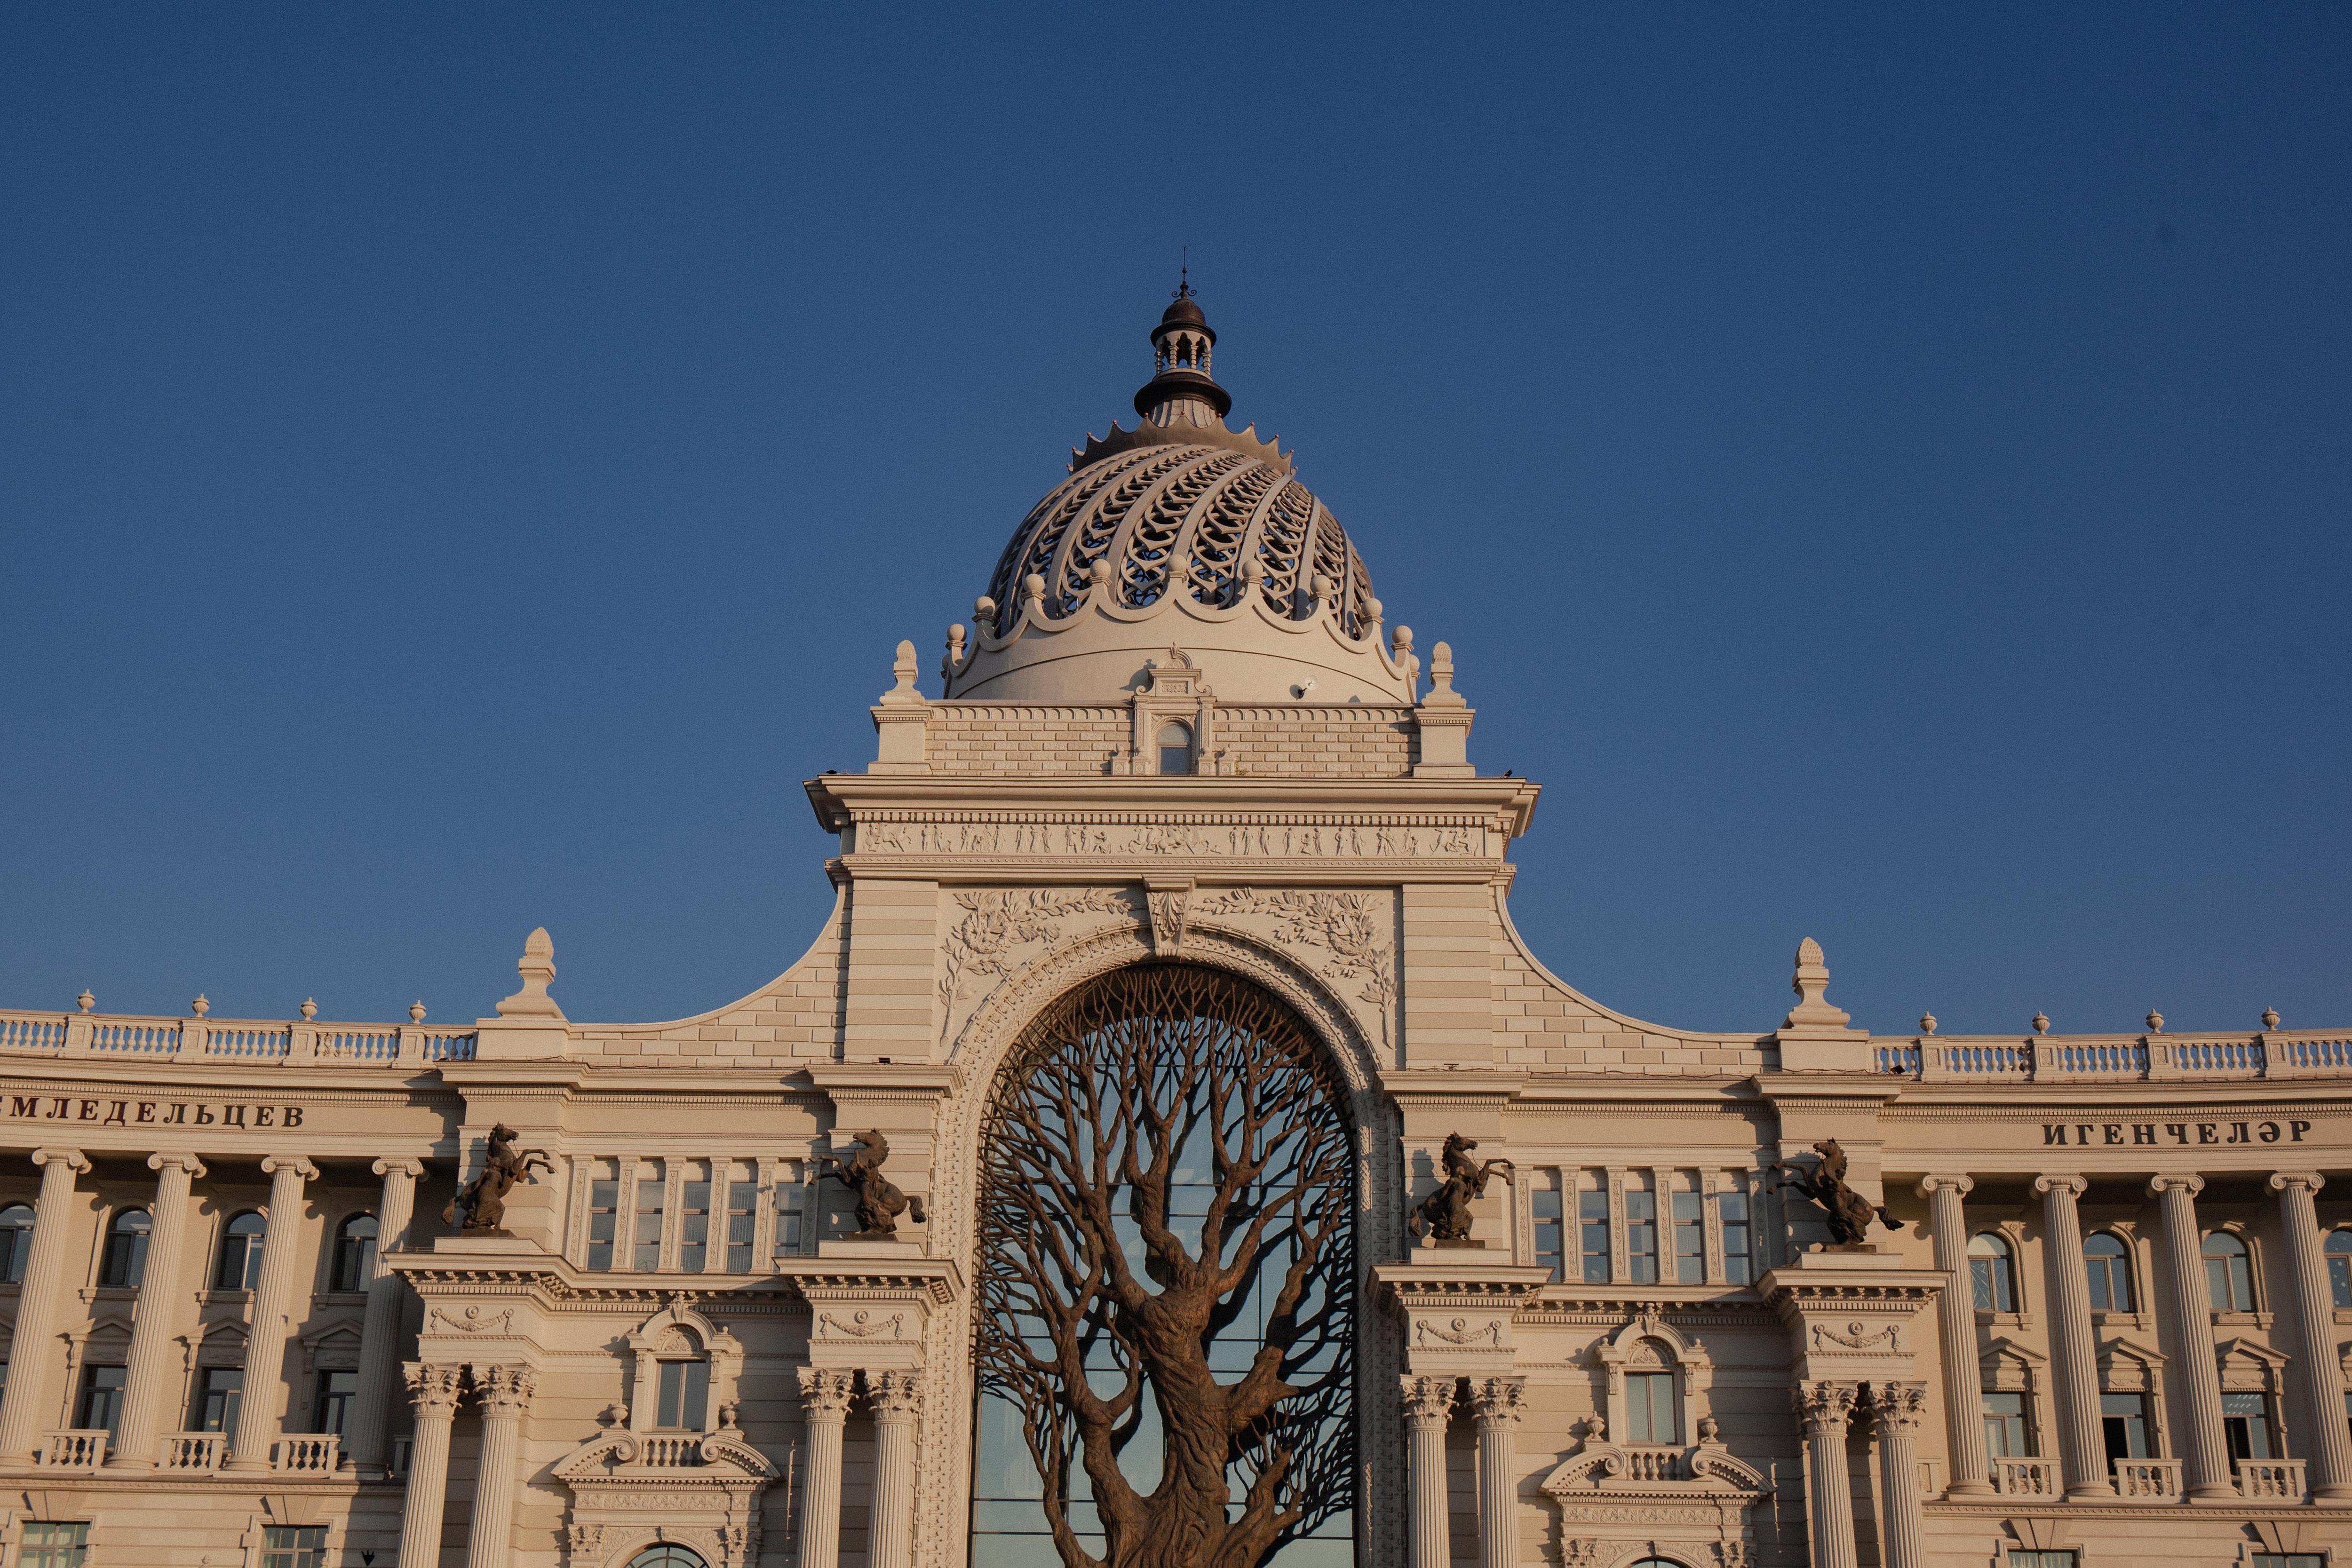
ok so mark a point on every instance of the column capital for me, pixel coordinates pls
(2158, 1185)
(505, 1390)
(1898, 1406)
(296, 1164)
(1497, 1402)
(825, 1394)
(400, 1164)
(175, 1159)
(2072, 1186)
(433, 1388)
(71, 1158)
(1824, 1408)
(1931, 1184)
(2311, 1181)
(1427, 1400)
(895, 1396)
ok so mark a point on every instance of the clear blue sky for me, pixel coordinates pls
(1884, 470)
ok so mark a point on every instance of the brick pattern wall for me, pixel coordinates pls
(1543, 1028)
(991, 740)
(796, 1017)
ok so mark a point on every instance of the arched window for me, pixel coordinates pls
(240, 1253)
(1658, 1562)
(2339, 1266)
(125, 1262)
(2108, 1262)
(1183, 1114)
(2229, 1274)
(1175, 747)
(16, 1240)
(354, 1253)
(1991, 1273)
(666, 1557)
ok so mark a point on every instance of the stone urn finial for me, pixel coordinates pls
(2154, 1021)
(416, 1011)
(2270, 1016)
(201, 1006)
(85, 999)
(310, 1008)
(1926, 1024)
(2041, 1022)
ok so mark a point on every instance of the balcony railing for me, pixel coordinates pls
(2270, 1480)
(670, 1452)
(73, 1451)
(193, 1452)
(312, 1456)
(2148, 1480)
(2027, 1477)
(1653, 1465)
(238, 1041)
(2113, 1059)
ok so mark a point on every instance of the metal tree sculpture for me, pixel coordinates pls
(1169, 1173)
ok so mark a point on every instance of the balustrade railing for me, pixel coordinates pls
(73, 1451)
(192, 1451)
(661, 1451)
(308, 1456)
(2270, 1480)
(2112, 1058)
(1653, 1465)
(243, 1041)
(2027, 1477)
(2148, 1481)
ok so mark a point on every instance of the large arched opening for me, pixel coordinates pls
(1165, 1284)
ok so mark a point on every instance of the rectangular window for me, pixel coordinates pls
(2124, 1420)
(53, 1545)
(1737, 1266)
(694, 1219)
(1690, 1240)
(2005, 1434)
(1593, 1234)
(603, 1208)
(743, 1205)
(684, 1396)
(102, 1398)
(1650, 1407)
(294, 1546)
(1642, 1236)
(1551, 1225)
(217, 1393)
(646, 1233)
(2041, 1559)
(792, 1210)
(336, 1392)
(2246, 1425)
(2289, 1559)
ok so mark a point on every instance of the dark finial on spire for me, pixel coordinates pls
(1180, 349)
(1183, 273)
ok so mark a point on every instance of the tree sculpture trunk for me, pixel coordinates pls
(1166, 1242)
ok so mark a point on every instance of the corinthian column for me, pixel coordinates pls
(1825, 1408)
(1497, 1403)
(36, 1300)
(1955, 1321)
(2322, 1375)
(2206, 1452)
(1427, 1403)
(1895, 1410)
(368, 1435)
(155, 1310)
(506, 1393)
(434, 1389)
(825, 1406)
(265, 1345)
(2074, 1350)
(898, 1400)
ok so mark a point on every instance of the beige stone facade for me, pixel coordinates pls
(2113, 1321)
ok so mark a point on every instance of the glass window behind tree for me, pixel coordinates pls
(2229, 1274)
(1990, 1274)
(125, 1262)
(240, 1253)
(2109, 1266)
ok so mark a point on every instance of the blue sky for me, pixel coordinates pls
(1885, 471)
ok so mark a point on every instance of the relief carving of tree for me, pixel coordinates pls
(995, 924)
(1348, 926)
(1166, 1242)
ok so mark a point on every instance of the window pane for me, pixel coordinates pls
(2123, 1420)
(792, 1198)
(672, 1385)
(1592, 1233)
(1551, 1236)
(336, 1391)
(645, 1250)
(1642, 1236)
(101, 1398)
(1738, 1267)
(1690, 1240)
(694, 1220)
(603, 1202)
(742, 1209)
(697, 1396)
(217, 1398)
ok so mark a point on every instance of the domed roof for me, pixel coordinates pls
(1181, 533)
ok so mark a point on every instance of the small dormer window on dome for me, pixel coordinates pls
(1175, 747)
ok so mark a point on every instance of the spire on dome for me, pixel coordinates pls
(1181, 346)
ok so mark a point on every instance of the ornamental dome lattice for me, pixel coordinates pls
(1181, 533)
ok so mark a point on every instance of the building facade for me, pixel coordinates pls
(1169, 1017)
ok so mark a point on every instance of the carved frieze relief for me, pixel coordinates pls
(1204, 836)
